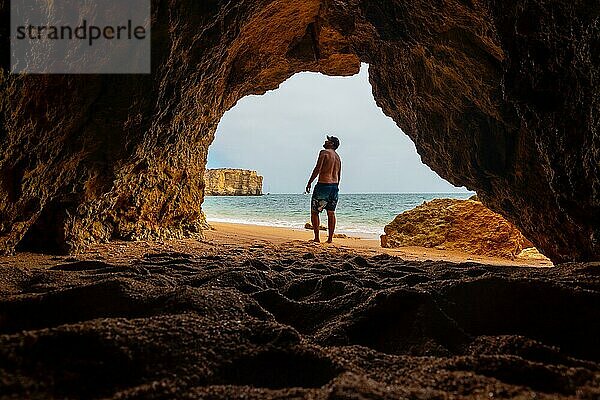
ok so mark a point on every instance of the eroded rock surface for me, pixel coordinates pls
(231, 323)
(451, 224)
(232, 182)
(500, 96)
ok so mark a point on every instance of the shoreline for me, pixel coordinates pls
(352, 234)
(248, 234)
(357, 218)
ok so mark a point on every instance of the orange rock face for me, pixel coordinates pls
(232, 182)
(464, 225)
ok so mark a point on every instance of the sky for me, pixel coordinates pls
(280, 134)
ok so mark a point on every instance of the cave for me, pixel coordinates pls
(499, 96)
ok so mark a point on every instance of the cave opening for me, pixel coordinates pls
(467, 89)
(279, 135)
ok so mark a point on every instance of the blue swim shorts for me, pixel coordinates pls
(324, 197)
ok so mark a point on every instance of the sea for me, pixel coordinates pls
(359, 215)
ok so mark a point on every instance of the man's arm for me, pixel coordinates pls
(316, 171)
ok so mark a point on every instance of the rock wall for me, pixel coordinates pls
(451, 224)
(500, 96)
(232, 182)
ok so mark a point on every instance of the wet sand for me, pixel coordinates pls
(236, 316)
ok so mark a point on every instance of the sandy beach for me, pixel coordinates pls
(244, 236)
(247, 234)
(263, 313)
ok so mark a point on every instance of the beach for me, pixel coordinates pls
(361, 215)
(246, 234)
(264, 313)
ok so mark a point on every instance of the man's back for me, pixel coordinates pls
(330, 167)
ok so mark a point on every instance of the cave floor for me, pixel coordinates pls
(260, 320)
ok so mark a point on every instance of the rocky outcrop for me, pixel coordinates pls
(232, 182)
(451, 224)
(500, 96)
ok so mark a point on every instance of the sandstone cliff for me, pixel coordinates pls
(232, 182)
(464, 225)
(500, 96)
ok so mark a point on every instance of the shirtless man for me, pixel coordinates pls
(325, 195)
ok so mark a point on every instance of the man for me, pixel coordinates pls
(325, 195)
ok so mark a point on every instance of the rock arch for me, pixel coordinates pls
(501, 96)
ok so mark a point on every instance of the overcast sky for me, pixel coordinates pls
(280, 134)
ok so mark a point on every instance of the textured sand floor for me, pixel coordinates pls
(257, 319)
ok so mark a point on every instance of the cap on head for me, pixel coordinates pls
(334, 140)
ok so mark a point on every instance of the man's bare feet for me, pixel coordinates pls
(316, 240)
(329, 240)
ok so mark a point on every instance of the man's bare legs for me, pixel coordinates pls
(316, 223)
(330, 225)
